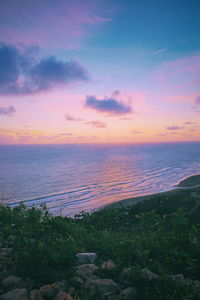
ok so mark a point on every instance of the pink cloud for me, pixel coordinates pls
(181, 73)
(189, 122)
(45, 23)
(136, 131)
(65, 134)
(189, 98)
(69, 117)
(160, 134)
(97, 124)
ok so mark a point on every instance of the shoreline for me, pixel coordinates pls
(190, 186)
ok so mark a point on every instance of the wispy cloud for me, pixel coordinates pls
(111, 105)
(160, 134)
(125, 119)
(136, 131)
(161, 50)
(65, 134)
(180, 74)
(94, 123)
(174, 127)
(189, 123)
(8, 111)
(69, 117)
(197, 100)
(22, 72)
(44, 22)
(97, 124)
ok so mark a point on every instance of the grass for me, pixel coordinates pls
(161, 235)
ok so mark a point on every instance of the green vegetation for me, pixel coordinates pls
(160, 234)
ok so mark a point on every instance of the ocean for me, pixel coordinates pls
(75, 178)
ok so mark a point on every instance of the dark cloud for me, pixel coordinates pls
(10, 65)
(97, 124)
(10, 110)
(22, 73)
(174, 127)
(108, 105)
(69, 117)
(49, 72)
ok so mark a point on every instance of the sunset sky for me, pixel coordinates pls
(101, 71)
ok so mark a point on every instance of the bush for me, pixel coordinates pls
(156, 234)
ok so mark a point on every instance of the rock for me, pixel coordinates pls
(10, 240)
(12, 282)
(63, 296)
(109, 296)
(196, 283)
(86, 258)
(194, 195)
(85, 270)
(108, 265)
(125, 274)
(150, 275)
(182, 279)
(126, 271)
(49, 291)
(77, 282)
(62, 285)
(17, 294)
(71, 291)
(5, 251)
(129, 293)
(28, 283)
(178, 277)
(99, 287)
(4, 273)
(36, 295)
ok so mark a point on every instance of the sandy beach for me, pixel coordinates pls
(188, 187)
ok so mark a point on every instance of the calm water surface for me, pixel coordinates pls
(72, 178)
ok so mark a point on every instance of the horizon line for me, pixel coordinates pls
(114, 143)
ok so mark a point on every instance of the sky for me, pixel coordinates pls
(99, 71)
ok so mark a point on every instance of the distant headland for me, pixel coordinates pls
(188, 187)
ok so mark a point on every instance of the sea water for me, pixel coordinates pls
(74, 178)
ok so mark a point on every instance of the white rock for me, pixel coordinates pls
(84, 258)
